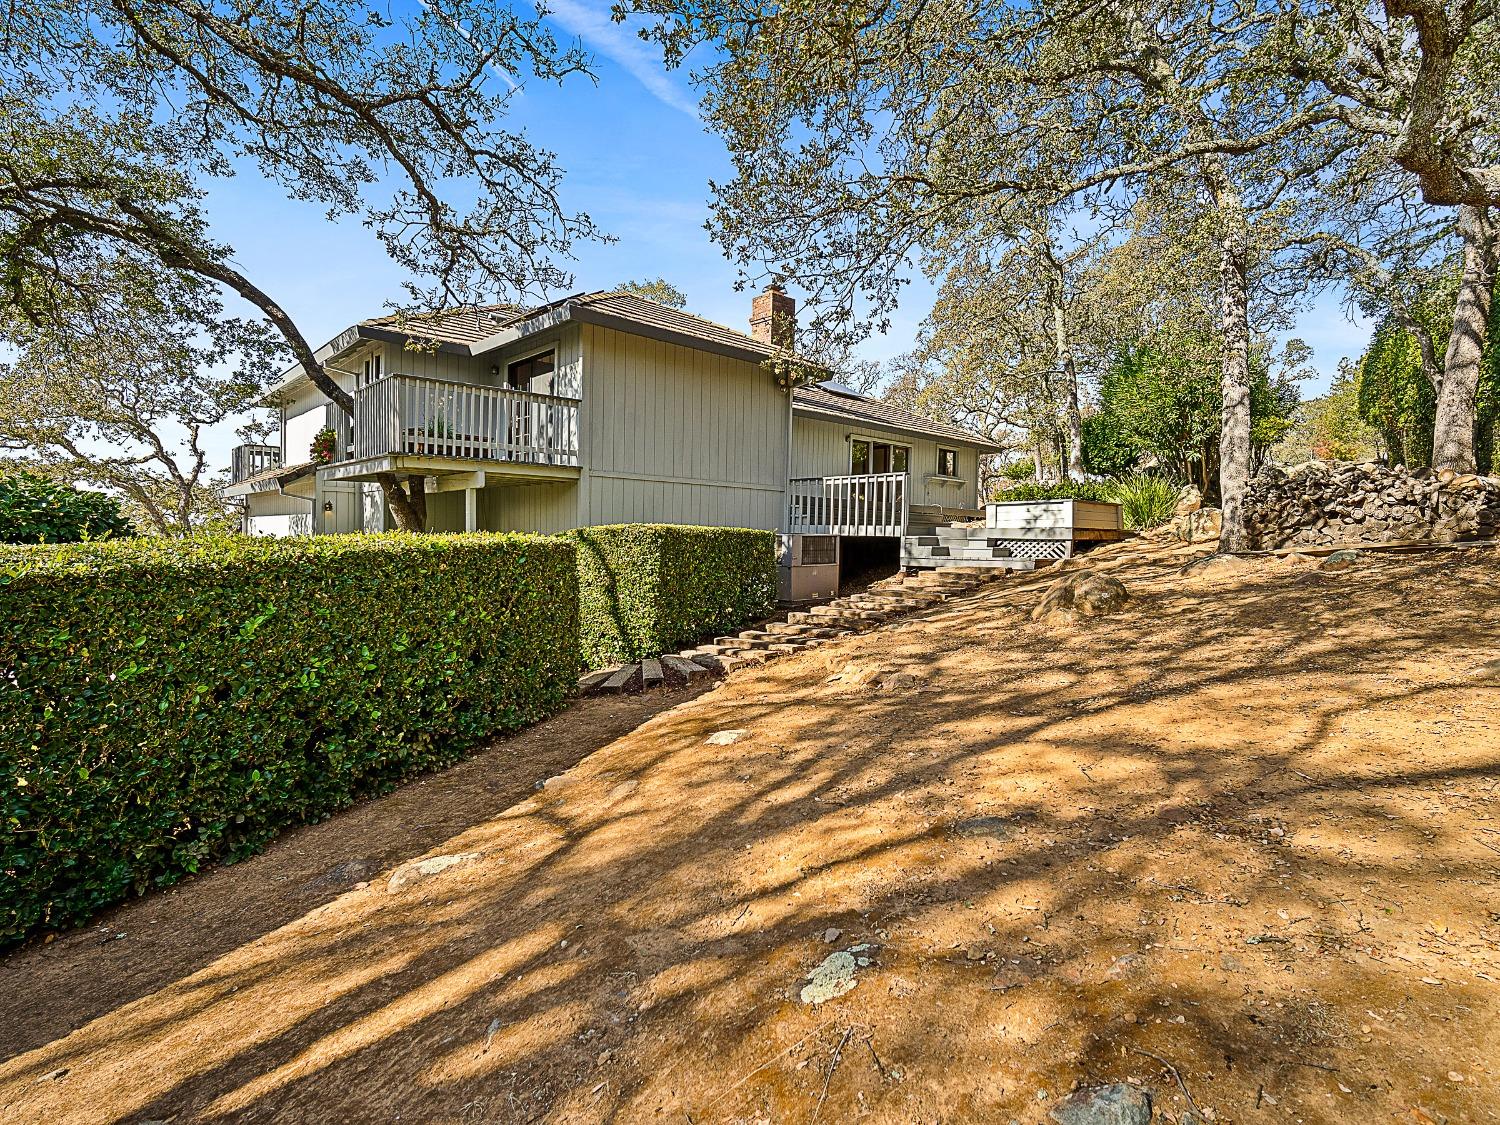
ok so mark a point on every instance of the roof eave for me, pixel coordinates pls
(972, 440)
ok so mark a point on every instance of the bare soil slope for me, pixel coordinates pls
(1238, 843)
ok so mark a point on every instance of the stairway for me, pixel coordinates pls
(802, 629)
(948, 546)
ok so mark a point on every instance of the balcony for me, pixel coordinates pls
(873, 504)
(410, 424)
(246, 461)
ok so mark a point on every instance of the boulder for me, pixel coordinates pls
(1189, 499)
(1082, 594)
(1116, 1104)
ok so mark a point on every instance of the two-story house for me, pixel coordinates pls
(606, 408)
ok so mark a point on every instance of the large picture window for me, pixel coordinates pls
(535, 373)
(866, 456)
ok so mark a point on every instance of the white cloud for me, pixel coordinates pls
(618, 43)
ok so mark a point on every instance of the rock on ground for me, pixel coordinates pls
(834, 976)
(1084, 594)
(1115, 1104)
(421, 869)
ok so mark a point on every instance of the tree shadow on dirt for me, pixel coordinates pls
(1173, 901)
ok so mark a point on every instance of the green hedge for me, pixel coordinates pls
(168, 703)
(645, 589)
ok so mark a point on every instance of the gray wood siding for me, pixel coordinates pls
(545, 508)
(820, 448)
(675, 435)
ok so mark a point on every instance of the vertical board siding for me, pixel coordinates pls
(821, 449)
(676, 435)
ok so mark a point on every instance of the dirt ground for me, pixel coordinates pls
(1242, 845)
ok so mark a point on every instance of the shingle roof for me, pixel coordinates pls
(466, 327)
(450, 326)
(659, 316)
(281, 474)
(821, 399)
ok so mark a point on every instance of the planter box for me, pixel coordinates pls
(1060, 521)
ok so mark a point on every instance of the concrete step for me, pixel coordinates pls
(988, 564)
(791, 629)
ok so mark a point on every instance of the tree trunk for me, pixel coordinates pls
(1072, 415)
(408, 505)
(1458, 393)
(1234, 322)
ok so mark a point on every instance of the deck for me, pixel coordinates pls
(410, 424)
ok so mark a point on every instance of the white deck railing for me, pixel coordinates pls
(245, 461)
(415, 416)
(875, 504)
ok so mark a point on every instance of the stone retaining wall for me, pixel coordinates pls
(1322, 503)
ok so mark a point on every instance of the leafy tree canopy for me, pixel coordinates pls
(34, 509)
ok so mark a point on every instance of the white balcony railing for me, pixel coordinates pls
(416, 416)
(875, 504)
(245, 461)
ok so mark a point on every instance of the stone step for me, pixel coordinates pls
(833, 609)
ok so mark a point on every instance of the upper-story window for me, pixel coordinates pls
(535, 373)
(371, 370)
(947, 465)
(867, 456)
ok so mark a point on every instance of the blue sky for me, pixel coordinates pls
(637, 159)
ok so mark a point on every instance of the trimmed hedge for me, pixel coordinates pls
(645, 589)
(168, 703)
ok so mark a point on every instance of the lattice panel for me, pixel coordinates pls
(1035, 548)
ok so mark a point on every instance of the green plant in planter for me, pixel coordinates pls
(323, 443)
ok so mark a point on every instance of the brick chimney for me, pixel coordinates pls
(773, 317)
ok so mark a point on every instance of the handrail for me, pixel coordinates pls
(415, 415)
(563, 399)
(868, 504)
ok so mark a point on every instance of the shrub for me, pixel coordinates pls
(1145, 500)
(1062, 490)
(34, 509)
(645, 589)
(167, 703)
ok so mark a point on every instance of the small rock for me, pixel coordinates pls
(976, 953)
(834, 976)
(1115, 1104)
(996, 826)
(900, 681)
(726, 737)
(421, 869)
(1125, 966)
(832, 934)
(1340, 560)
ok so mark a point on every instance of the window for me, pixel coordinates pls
(867, 456)
(947, 465)
(537, 374)
(371, 371)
